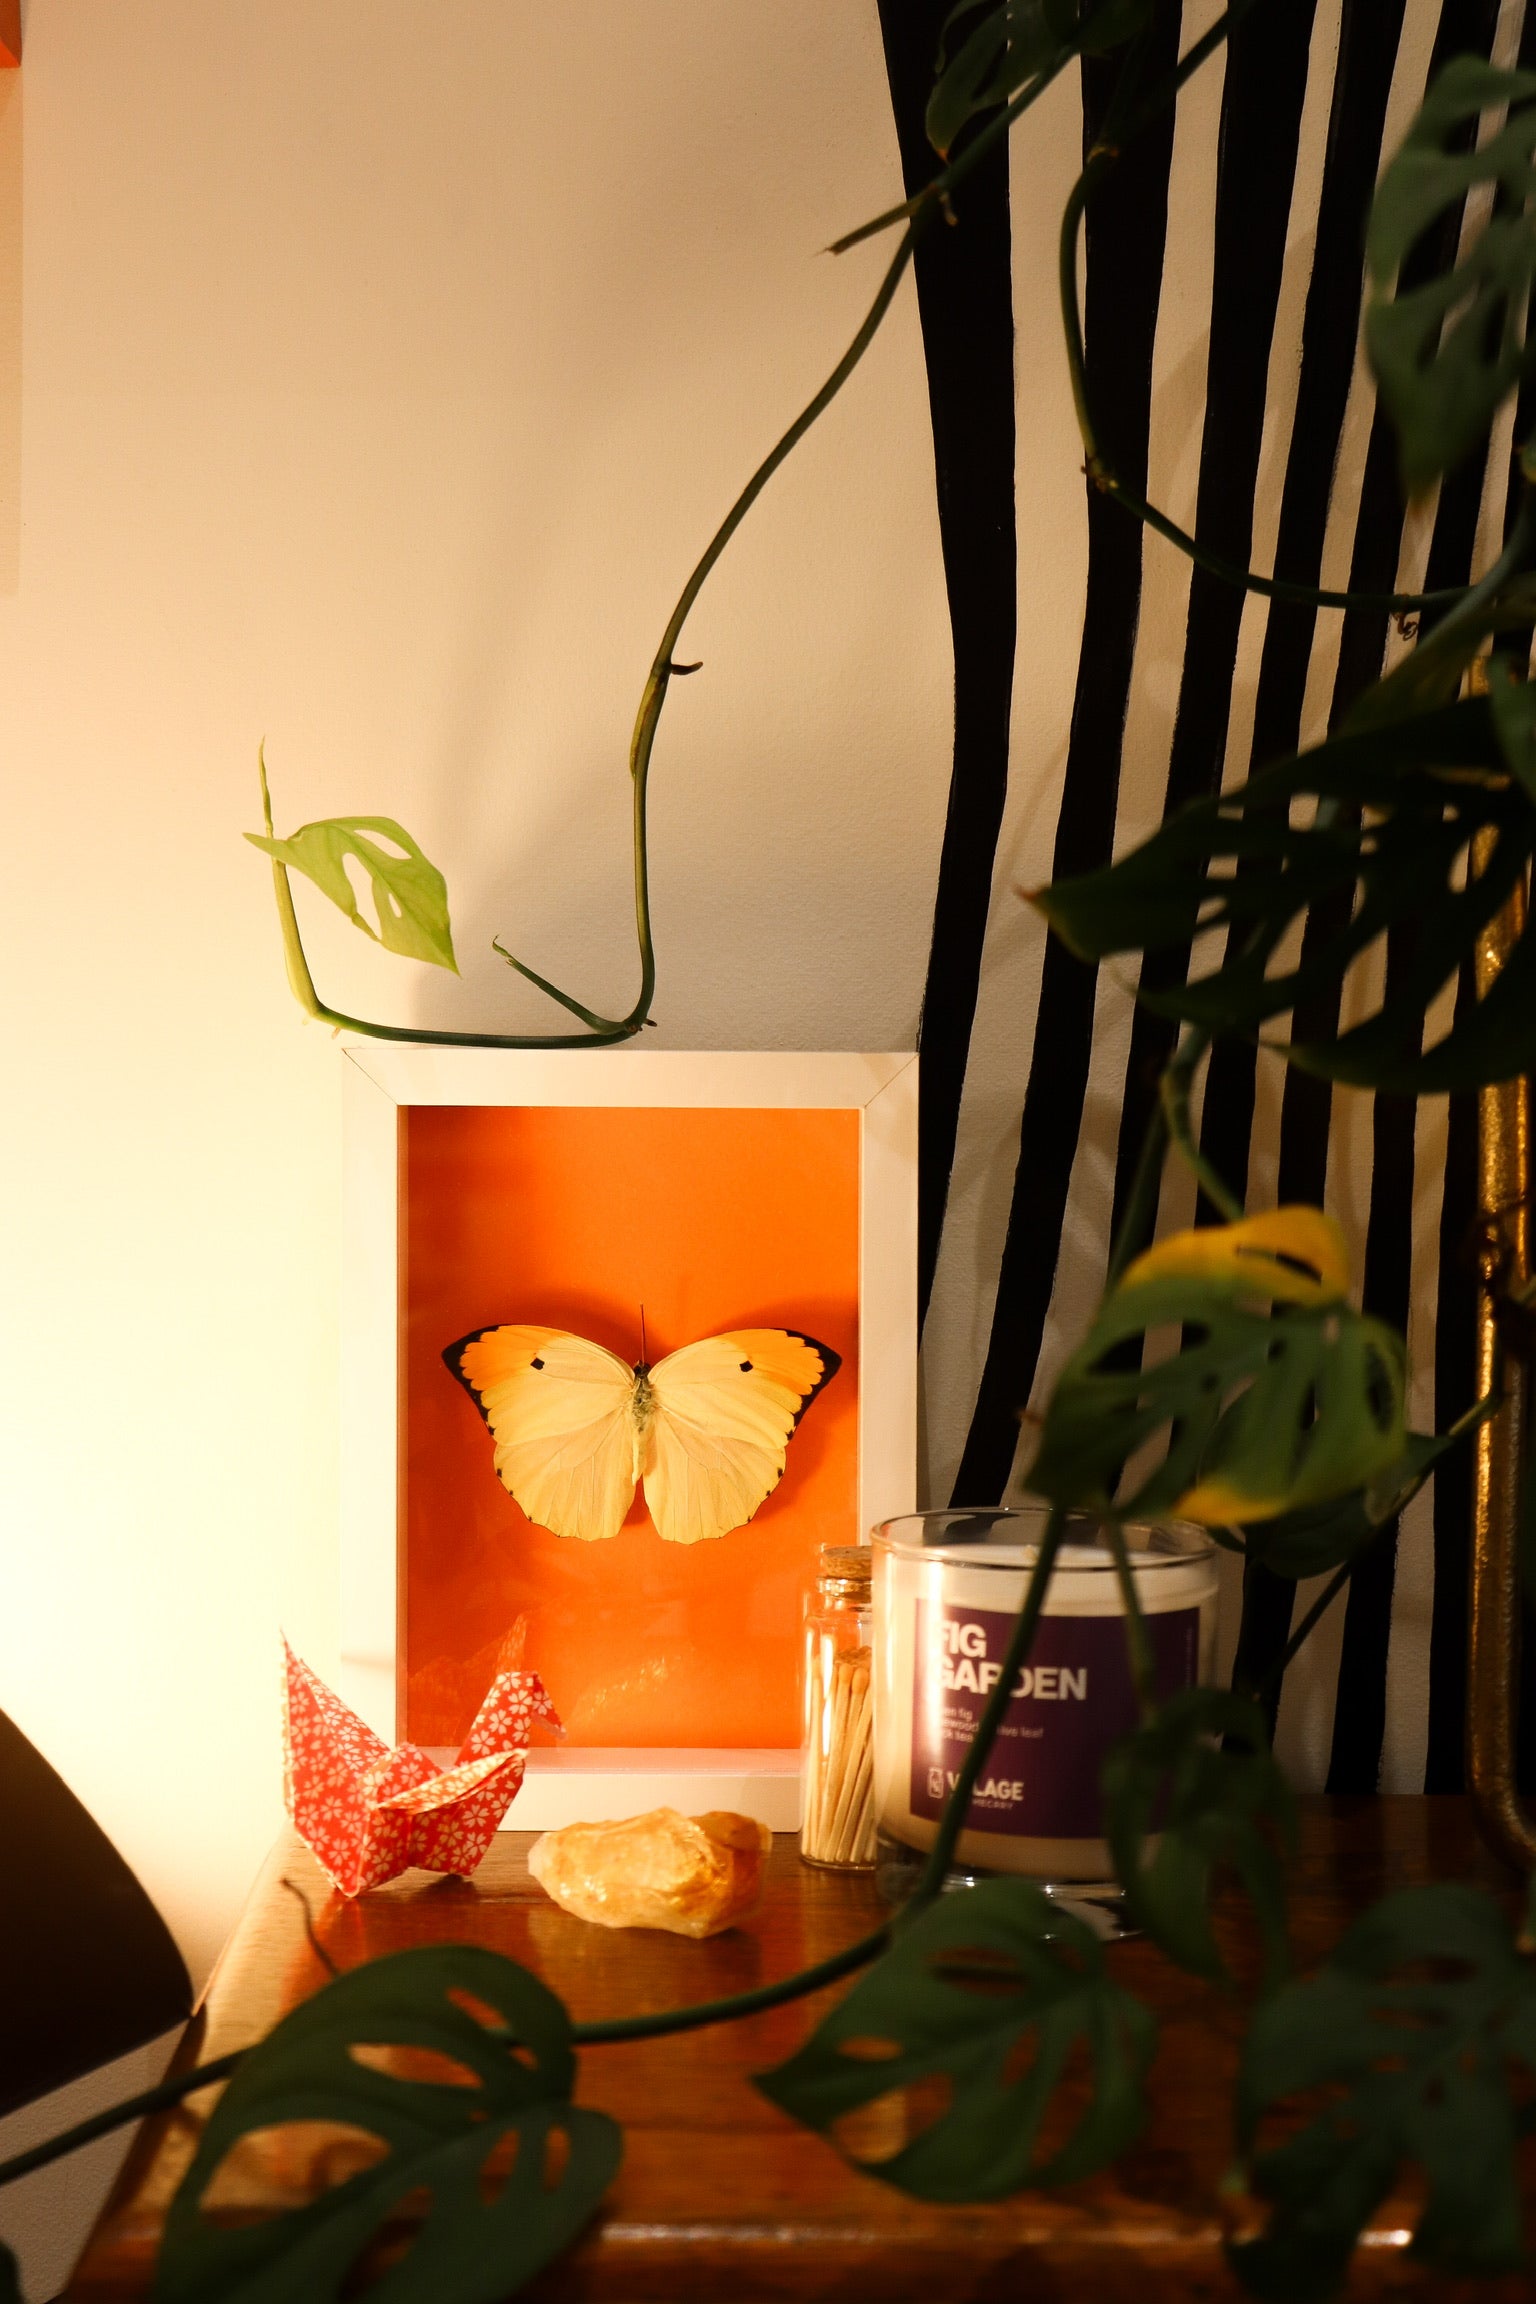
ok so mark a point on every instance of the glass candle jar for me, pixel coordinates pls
(948, 1587)
(838, 1786)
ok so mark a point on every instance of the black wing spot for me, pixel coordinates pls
(535, 1363)
(746, 1367)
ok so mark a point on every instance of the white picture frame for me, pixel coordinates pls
(380, 1079)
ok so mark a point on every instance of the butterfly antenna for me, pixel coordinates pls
(645, 1358)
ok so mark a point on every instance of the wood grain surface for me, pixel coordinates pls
(722, 2199)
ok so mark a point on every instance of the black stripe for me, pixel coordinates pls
(965, 303)
(1360, 1709)
(1261, 108)
(1307, 1102)
(1369, 33)
(1126, 229)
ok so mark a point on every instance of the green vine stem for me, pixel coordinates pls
(1173, 1091)
(1307, 1627)
(930, 1881)
(138, 2107)
(606, 1031)
(1138, 1640)
(1100, 473)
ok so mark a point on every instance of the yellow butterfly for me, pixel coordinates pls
(576, 1429)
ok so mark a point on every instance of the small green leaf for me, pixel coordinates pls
(967, 1983)
(1413, 2028)
(969, 77)
(1279, 1395)
(1321, 1537)
(987, 55)
(1447, 352)
(483, 2235)
(410, 895)
(1181, 1804)
(1369, 833)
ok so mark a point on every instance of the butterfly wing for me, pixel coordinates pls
(561, 1412)
(725, 1410)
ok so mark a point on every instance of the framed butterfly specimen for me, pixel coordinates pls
(705, 1430)
(642, 1332)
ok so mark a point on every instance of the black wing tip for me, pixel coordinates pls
(830, 1363)
(453, 1355)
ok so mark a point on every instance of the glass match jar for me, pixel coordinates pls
(948, 1587)
(838, 1809)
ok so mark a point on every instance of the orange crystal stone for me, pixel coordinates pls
(693, 1875)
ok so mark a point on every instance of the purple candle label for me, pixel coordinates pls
(1073, 1700)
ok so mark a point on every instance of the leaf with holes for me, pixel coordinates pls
(1321, 1537)
(345, 2057)
(992, 1994)
(989, 53)
(1278, 1395)
(1368, 835)
(1195, 1791)
(1410, 2036)
(410, 895)
(1447, 351)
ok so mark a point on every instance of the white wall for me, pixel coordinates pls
(381, 370)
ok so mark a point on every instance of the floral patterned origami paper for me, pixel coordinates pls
(368, 1813)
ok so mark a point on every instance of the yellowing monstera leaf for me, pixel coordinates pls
(1278, 1394)
(1289, 1255)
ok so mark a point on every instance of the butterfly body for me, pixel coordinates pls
(577, 1429)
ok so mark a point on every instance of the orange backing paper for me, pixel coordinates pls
(712, 1220)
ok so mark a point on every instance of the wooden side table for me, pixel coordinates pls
(720, 2196)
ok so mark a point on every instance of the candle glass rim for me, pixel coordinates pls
(1156, 1544)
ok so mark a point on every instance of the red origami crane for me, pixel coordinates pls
(369, 1813)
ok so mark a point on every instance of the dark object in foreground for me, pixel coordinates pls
(88, 1969)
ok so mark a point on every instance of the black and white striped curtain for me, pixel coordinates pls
(1032, 1119)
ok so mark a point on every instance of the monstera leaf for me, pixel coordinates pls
(989, 52)
(1448, 351)
(410, 895)
(511, 2167)
(1369, 833)
(1279, 1395)
(1414, 2028)
(1320, 1537)
(1195, 1791)
(991, 1991)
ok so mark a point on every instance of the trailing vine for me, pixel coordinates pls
(1280, 1412)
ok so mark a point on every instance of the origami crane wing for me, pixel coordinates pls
(367, 1813)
